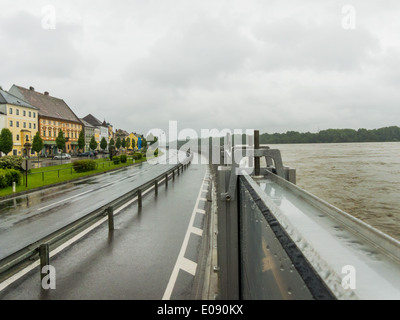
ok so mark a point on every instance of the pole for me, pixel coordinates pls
(257, 147)
(26, 172)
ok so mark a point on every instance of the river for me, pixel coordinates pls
(362, 179)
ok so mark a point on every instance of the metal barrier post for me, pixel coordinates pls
(110, 212)
(44, 254)
(156, 187)
(139, 196)
(166, 180)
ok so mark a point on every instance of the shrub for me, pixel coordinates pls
(8, 176)
(11, 162)
(84, 165)
(116, 159)
(137, 156)
(124, 158)
(156, 153)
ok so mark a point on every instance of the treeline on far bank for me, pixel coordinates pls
(387, 134)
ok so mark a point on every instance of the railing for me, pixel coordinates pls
(40, 249)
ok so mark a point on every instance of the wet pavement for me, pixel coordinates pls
(152, 254)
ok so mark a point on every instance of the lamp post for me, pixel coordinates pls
(27, 147)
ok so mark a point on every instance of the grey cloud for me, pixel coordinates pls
(33, 51)
(194, 54)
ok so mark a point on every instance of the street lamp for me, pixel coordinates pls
(27, 147)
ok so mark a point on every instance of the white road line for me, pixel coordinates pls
(201, 211)
(203, 199)
(197, 231)
(61, 201)
(181, 261)
(189, 266)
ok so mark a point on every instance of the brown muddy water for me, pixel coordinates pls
(362, 179)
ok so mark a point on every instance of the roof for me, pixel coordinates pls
(94, 121)
(8, 98)
(49, 106)
(86, 124)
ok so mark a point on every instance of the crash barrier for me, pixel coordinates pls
(277, 241)
(40, 249)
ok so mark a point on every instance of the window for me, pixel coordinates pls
(11, 110)
(44, 133)
(26, 138)
(11, 123)
(24, 113)
(30, 126)
(24, 125)
(30, 114)
(15, 152)
(17, 112)
(34, 126)
(34, 114)
(17, 137)
(17, 124)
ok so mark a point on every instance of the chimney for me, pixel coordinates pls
(31, 88)
(46, 93)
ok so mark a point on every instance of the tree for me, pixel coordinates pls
(60, 140)
(112, 143)
(118, 144)
(103, 144)
(93, 144)
(6, 141)
(81, 140)
(133, 144)
(128, 143)
(37, 144)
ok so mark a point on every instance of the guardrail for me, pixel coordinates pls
(40, 249)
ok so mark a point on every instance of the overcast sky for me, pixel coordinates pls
(270, 65)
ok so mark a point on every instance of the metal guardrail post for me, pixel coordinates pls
(139, 196)
(110, 212)
(44, 254)
(156, 187)
(228, 237)
(166, 180)
(173, 175)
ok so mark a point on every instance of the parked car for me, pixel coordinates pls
(62, 156)
(87, 154)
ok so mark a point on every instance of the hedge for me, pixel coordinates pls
(137, 156)
(8, 176)
(116, 159)
(84, 165)
(11, 162)
(124, 158)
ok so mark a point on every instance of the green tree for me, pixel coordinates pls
(112, 142)
(103, 144)
(123, 143)
(128, 143)
(37, 144)
(60, 140)
(81, 140)
(6, 141)
(118, 144)
(93, 144)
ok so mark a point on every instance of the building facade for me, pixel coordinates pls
(101, 129)
(21, 118)
(88, 133)
(54, 115)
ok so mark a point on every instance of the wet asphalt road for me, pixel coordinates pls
(28, 218)
(152, 253)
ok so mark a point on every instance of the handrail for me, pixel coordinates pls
(20, 259)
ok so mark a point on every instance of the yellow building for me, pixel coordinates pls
(21, 118)
(132, 136)
(54, 115)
